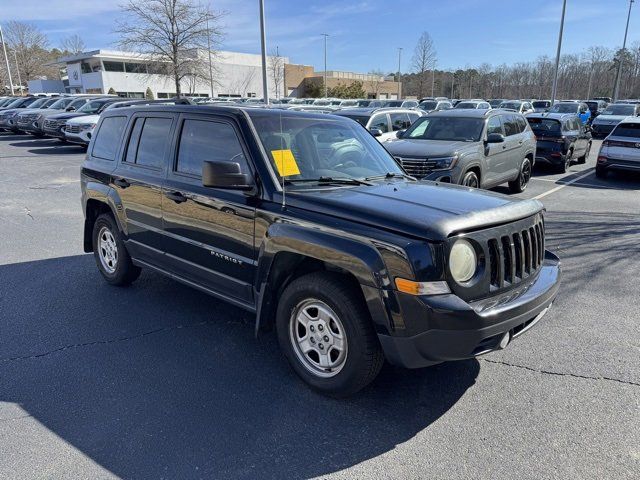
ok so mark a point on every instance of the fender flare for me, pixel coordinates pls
(360, 259)
(99, 192)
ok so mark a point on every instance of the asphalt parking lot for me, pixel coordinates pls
(161, 381)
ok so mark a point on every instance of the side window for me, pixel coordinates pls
(522, 123)
(494, 125)
(202, 140)
(399, 121)
(148, 141)
(108, 138)
(510, 125)
(380, 121)
(413, 117)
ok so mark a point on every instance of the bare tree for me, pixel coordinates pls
(375, 79)
(276, 70)
(73, 44)
(171, 33)
(424, 59)
(30, 47)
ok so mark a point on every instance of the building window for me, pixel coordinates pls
(113, 66)
(85, 67)
(135, 67)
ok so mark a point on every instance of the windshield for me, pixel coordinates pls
(429, 105)
(510, 105)
(363, 103)
(38, 103)
(619, 110)
(495, 103)
(61, 104)
(309, 148)
(542, 104)
(92, 107)
(466, 105)
(627, 130)
(361, 119)
(393, 103)
(446, 128)
(77, 103)
(565, 108)
(544, 126)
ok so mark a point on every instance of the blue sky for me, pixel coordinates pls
(365, 34)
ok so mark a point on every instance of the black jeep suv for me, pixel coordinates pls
(307, 221)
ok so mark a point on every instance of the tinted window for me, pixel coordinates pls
(494, 125)
(429, 105)
(510, 125)
(108, 138)
(400, 121)
(361, 119)
(446, 128)
(564, 108)
(627, 130)
(212, 141)
(620, 110)
(542, 126)
(380, 122)
(154, 140)
(522, 124)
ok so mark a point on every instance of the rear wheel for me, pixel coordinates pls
(585, 157)
(325, 331)
(470, 179)
(601, 172)
(520, 184)
(111, 255)
(567, 162)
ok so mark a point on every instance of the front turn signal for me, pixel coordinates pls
(421, 288)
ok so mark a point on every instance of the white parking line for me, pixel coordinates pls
(560, 187)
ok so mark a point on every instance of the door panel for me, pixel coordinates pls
(209, 232)
(495, 153)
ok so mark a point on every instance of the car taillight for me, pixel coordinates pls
(605, 143)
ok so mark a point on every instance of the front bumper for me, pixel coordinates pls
(80, 138)
(457, 330)
(31, 127)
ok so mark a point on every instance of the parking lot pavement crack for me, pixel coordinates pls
(103, 342)
(560, 374)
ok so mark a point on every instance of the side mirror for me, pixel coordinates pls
(225, 175)
(400, 133)
(376, 132)
(495, 138)
(70, 109)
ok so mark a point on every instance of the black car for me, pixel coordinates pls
(561, 139)
(306, 220)
(596, 107)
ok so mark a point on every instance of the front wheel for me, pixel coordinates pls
(325, 331)
(111, 255)
(567, 162)
(470, 179)
(520, 184)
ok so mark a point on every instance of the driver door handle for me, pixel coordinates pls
(176, 197)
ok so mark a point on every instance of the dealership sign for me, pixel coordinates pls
(75, 74)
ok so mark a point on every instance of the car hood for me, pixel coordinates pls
(32, 110)
(425, 210)
(84, 119)
(426, 148)
(10, 111)
(65, 115)
(609, 118)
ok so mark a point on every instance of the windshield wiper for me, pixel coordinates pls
(329, 181)
(390, 175)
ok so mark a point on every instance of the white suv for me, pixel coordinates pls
(621, 149)
(383, 123)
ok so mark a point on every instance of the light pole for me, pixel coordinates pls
(616, 88)
(433, 77)
(263, 41)
(15, 57)
(399, 57)
(554, 90)
(209, 49)
(453, 80)
(325, 35)
(6, 59)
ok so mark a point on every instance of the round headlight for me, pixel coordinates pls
(462, 261)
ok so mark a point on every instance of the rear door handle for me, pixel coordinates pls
(176, 197)
(121, 182)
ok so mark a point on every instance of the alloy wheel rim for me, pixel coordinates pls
(471, 181)
(318, 338)
(107, 250)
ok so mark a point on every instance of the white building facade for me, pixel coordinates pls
(234, 75)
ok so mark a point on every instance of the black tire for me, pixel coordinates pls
(601, 172)
(123, 270)
(363, 357)
(519, 185)
(567, 162)
(470, 179)
(583, 159)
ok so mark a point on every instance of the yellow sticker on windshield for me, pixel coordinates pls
(285, 162)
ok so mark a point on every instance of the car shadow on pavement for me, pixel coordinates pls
(159, 380)
(47, 146)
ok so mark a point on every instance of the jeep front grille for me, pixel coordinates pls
(417, 167)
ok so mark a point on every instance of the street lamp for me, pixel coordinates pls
(554, 91)
(263, 41)
(6, 59)
(616, 88)
(325, 35)
(399, 56)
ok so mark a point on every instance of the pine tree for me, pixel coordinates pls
(149, 94)
(111, 91)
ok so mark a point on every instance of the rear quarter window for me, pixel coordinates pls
(107, 140)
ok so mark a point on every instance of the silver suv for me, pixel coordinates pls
(476, 148)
